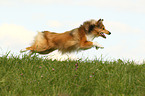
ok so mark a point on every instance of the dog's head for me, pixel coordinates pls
(95, 28)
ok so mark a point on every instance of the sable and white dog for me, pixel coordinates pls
(69, 41)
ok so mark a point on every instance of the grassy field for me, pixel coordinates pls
(33, 76)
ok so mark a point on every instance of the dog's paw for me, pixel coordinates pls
(97, 45)
(101, 47)
(97, 48)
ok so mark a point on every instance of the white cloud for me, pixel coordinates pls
(61, 26)
(54, 24)
(14, 36)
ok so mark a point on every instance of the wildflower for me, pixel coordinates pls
(41, 76)
(52, 69)
(76, 64)
(76, 68)
(90, 76)
(22, 74)
(40, 67)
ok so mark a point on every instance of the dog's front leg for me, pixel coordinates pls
(97, 45)
(89, 44)
(86, 45)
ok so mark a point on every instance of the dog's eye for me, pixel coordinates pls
(103, 28)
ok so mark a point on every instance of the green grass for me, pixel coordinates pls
(33, 76)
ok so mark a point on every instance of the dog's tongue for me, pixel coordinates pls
(103, 35)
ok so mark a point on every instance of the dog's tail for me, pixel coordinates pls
(39, 44)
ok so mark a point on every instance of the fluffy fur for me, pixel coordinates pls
(77, 39)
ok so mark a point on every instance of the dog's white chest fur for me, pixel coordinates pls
(90, 37)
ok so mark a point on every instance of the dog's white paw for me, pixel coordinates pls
(97, 45)
(97, 48)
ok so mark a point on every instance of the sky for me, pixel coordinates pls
(21, 20)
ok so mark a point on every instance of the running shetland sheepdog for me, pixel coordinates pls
(69, 41)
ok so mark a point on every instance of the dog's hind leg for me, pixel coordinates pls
(46, 51)
(27, 49)
(24, 50)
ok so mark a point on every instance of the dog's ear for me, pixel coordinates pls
(99, 22)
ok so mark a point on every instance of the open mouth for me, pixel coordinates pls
(103, 35)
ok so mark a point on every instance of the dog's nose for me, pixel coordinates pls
(109, 33)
